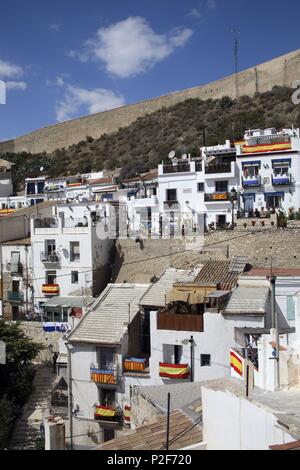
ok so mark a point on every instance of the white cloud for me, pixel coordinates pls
(12, 85)
(55, 27)
(195, 13)
(80, 100)
(131, 47)
(211, 4)
(59, 81)
(9, 70)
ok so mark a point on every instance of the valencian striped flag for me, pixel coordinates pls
(135, 364)
(267, 147)
(236, 363)
(105, 412)
(173, 371)
(103, 376)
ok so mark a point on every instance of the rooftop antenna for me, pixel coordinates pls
(236, 44)
(172, 154)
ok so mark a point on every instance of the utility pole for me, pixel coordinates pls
(236, 33)
(70, 396)
(191, 341)
(168, 421)
(275, 326)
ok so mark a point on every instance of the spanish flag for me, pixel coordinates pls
(261, 148)
(127, 414)
(104, 412)
(236, 363)
(174, 371)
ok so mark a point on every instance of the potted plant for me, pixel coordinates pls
(262, 223)
(253, 223)
(245, 224)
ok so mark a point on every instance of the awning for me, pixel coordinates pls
(70, 302)
(218, 293)
(176, 295)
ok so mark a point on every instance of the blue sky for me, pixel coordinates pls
(67, 58)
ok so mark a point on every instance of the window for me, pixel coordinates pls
(172, 354)
(171, 194)
(50, 247)
(74, 251)
(281, 169)
(205, 360)
(290, 308)
(107, 397)
(221, 186)
(74, 277)
(251, 171)
(50, 277)
(200, 187)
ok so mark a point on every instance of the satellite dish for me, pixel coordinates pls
(184, 156)
(42, 168)
(172, 154)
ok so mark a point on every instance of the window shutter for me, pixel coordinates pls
(290, 307)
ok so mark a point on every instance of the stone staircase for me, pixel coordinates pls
(27, 429)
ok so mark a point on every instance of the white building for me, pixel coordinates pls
(262, 421)
(17, 279)
(71, 252)
(105, 346)
(268, 162)
(35, 190)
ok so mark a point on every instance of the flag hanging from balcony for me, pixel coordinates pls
(236, 363)
(135, 364)
(127, 414)
(174, 371)
(50, 327)
(103, 376)
(105, 412)
(267, 147)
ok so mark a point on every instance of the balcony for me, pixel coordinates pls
(49, 222)
(174, 371)
(15, 269)
(50, 289)
(171, 204)
(223, 168)
(104, 376)
(251, 182)
(134, 365)
(217, 197)
(108, 414)
(17, 297)
(282, 180)
(50, 258)
(179, 168)
(180, 322)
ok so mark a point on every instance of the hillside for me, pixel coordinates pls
(148, 140)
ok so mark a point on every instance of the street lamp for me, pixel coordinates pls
(192, 345)
(233, 194)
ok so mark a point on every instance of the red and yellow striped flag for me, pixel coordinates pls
(174, 371)
(105, 412)
(236, 363)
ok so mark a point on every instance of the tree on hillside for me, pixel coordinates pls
(16, 376)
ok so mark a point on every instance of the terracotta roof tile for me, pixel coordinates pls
(183, 433)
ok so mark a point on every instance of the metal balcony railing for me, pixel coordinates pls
(251, 181)
(179, 168)
(51, 258)
(15, 296)
(224, 168)
(216, 197)
(281, 180)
